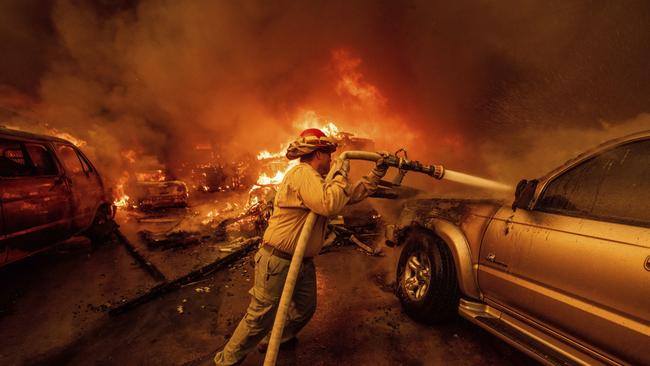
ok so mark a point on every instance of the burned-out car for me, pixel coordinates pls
(154, 190)
(563, 273)
(49, 191)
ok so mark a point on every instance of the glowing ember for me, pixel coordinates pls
(210, 217)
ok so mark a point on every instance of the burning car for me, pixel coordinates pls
(50, 191)
(562, 273)
(153, 190)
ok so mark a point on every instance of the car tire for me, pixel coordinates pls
(103, 227)
(426, 278)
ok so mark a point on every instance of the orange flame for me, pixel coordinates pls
(309, 120)
(122, 199)
(66, 136)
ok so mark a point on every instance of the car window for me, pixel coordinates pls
(613, 186)
(70, 159)
(13, 162)
(42, 160)
(84, 163)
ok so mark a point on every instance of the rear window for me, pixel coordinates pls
(41, 159)
(12, 160)
(18, 159)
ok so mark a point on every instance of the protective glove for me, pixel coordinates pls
(341, 167)
(381, 167)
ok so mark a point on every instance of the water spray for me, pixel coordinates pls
(398, 160)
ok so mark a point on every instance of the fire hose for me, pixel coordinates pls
(392, 160)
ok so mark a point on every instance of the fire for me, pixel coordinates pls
(210, 217)
(265, 180)
(152, 176)
(331, 130)
(309, 119)
(265, 154)
(66, 136)
(122, 199)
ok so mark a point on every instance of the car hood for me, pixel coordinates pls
(455, 210)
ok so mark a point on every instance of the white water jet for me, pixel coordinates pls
(475, 181)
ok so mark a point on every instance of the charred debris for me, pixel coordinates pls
(359, 225)
(157, 196)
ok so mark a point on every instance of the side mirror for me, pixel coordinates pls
(524, 194)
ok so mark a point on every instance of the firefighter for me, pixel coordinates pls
(302, 190)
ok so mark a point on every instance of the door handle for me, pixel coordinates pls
(491, 257)
(61, 179)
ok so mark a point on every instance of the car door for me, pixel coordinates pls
(85, 185)
(575, 263)
(35, 201)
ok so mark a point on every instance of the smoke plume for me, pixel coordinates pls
(492, 88)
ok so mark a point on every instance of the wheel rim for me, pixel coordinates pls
(417, 276)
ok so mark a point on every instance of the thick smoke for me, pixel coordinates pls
(487, 87)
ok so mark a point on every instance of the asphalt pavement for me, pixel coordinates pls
(54, 311)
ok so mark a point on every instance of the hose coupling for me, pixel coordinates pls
(438, 171)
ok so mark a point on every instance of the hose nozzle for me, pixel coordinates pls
(400, 162)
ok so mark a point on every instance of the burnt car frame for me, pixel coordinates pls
(49, 191)
(562, 274)
(154, 190)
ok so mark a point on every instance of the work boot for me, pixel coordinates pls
(286, 345)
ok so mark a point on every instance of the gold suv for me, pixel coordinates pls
(563, 273)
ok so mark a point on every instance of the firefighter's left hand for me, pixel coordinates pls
(380, 166)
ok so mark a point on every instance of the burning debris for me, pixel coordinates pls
(227, 223)
(150, 190)
(219, 177)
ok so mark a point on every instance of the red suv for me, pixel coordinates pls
(49, 191)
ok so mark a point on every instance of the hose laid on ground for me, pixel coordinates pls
(296, 261)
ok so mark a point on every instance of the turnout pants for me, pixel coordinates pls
(270, 274)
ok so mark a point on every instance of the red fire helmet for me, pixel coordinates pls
(318, 138)
(313, 132)
(310, 140)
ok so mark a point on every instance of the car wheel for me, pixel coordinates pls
(102, 228)
(426, 278)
